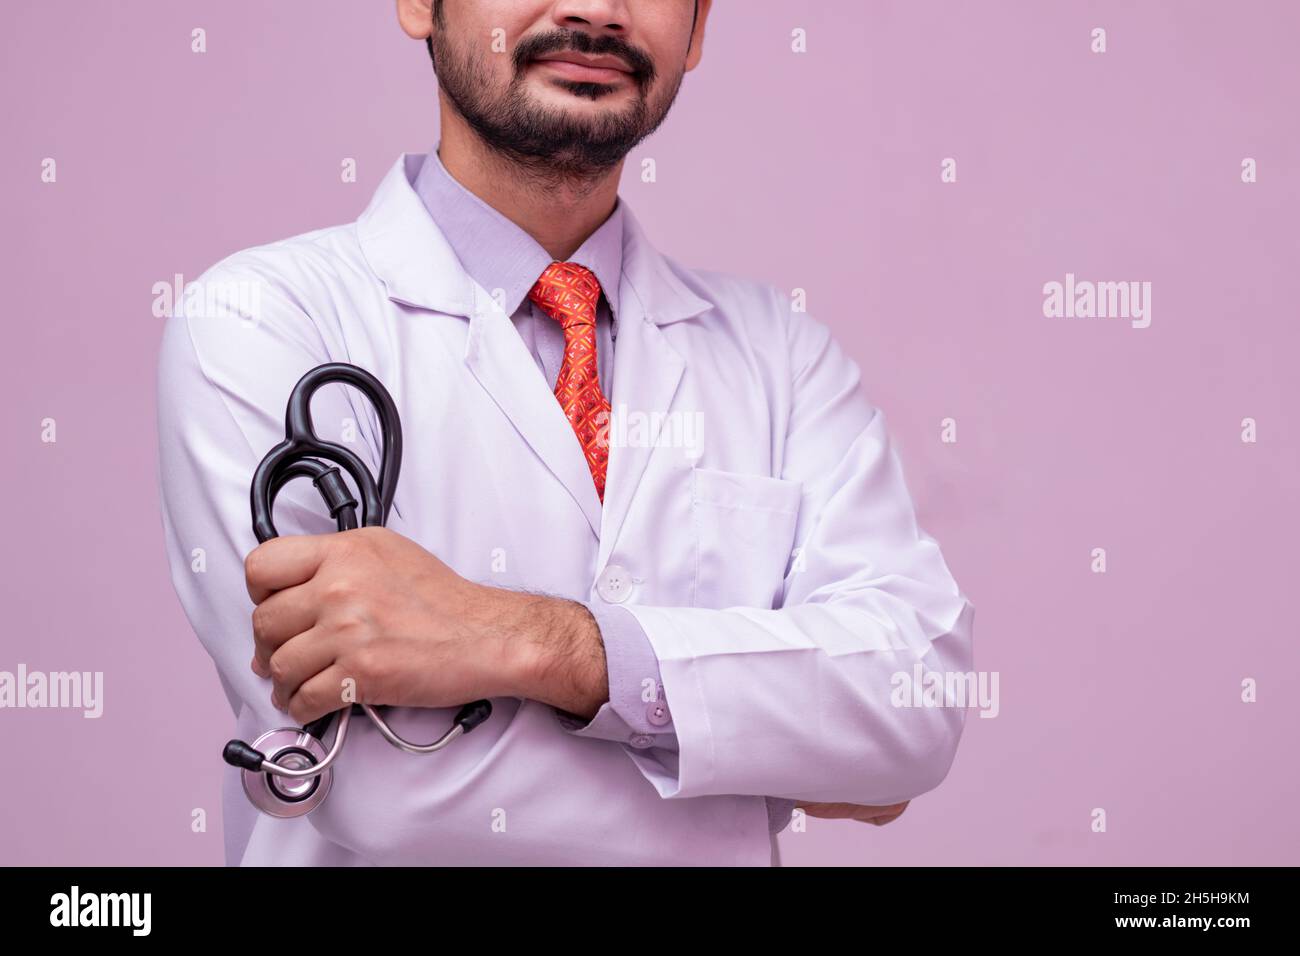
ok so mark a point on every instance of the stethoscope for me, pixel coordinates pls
(287, 772)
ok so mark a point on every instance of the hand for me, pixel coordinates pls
(372, 606)
(853, 811)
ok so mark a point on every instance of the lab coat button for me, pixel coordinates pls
(658, 715)
(615, 584)
(641, 741)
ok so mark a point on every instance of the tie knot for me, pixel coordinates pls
(568, 293)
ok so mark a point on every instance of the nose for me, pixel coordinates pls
(593, 16)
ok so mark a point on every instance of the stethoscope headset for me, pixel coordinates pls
(287, 772)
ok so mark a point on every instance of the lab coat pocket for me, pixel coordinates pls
(744, 532)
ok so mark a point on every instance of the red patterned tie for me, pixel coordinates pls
(568, 292)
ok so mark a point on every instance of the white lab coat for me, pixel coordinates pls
(777, 566)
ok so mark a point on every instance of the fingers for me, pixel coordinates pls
(880, 821)
(321, 695)
(854, 811)
(836, 811)
(296, 663)
(828, 810)
(283, 563)
(278, 619)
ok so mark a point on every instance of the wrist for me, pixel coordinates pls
(560, 659)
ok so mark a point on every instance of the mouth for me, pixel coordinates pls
(585, 69)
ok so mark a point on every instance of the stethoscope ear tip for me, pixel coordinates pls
(471, 715)
(239, 754)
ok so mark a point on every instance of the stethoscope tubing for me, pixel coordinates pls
(340, 735)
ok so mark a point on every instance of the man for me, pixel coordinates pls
(647, 511)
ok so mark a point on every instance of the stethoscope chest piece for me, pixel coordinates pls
(287, 797)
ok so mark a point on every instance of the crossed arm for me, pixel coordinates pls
(373, 611)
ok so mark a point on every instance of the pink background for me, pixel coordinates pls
(818, 171)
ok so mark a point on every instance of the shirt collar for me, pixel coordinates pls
(497, 253)
(406, 251)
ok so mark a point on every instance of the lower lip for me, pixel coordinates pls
(583, 74)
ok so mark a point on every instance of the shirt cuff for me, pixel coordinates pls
(636, 713)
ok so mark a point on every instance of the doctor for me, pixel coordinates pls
(647, 510)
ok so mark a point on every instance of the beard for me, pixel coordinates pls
(544, 138)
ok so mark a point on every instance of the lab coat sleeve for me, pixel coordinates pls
(802, 700)
(631, 667)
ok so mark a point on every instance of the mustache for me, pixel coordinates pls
(555, 41)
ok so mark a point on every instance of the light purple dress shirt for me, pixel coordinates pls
(506, 261)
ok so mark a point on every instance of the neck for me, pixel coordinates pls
(559, 211)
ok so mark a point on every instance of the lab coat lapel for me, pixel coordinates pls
(498, 358)
(647, 371)
(647, 368)
(418, 267)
